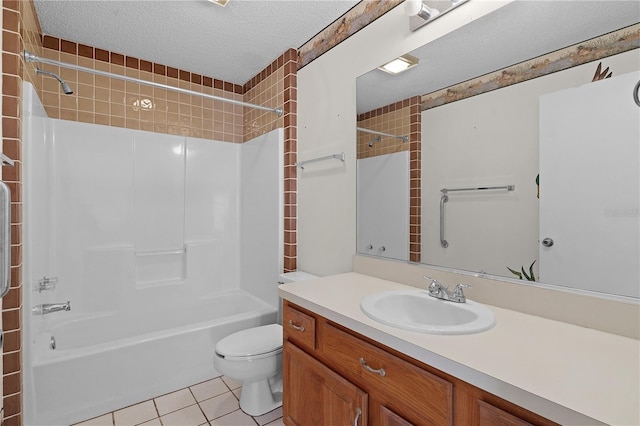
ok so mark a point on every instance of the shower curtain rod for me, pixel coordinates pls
(362, 129)
(30, 57)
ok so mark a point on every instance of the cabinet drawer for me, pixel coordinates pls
(299, 327)
(421, 396)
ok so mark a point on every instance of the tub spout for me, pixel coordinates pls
(47, 308)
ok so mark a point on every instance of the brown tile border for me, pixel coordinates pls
(361, 15)
(61, 45)
(616, 42)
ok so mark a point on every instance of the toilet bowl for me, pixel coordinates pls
(254, 358)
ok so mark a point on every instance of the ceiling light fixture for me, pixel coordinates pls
(420, 14)
(222, 3)
(400, 64)
(418, 8)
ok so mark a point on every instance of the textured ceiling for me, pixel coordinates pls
(519, 31)
(231, 43)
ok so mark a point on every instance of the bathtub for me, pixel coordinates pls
(106, 361)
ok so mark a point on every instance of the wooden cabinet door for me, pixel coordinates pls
(490, 415)
(389, 418)
(315, 395)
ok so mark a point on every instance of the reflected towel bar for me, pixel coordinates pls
(444, 198)
(159, 253)
(326, 157)
(480, 188)
(362, 129)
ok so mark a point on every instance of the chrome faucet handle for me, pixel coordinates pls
(433, 280)
(458, 292)
(436, 286)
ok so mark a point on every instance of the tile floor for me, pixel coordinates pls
(214, 402)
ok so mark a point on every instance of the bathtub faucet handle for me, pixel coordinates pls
(44, 284)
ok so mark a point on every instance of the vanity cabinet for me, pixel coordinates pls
(316, 395)
(333, 375)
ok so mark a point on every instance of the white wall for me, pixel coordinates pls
(327, 125)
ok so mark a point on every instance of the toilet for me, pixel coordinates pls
(254, 358)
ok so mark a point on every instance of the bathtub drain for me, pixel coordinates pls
(52, 343)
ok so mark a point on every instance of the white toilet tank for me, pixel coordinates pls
(290, 277)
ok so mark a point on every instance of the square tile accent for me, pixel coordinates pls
(236, 418)
(135, 414)
(233, 384)
(174, 401)
(219, 406)
(269, 417)
(209, 389)
(190, 416)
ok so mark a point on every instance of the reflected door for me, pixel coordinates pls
(589, 187)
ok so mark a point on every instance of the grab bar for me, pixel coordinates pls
(5, 235)
(326, 157)
(375, 132)
(444, 198)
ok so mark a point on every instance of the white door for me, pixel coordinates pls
(590, 187)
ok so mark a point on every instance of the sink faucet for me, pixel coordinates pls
(47, 308)
(440, 291)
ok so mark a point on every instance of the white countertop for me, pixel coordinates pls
(569, 374)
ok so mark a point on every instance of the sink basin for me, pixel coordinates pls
(415, 310)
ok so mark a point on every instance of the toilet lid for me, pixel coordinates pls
(251, 342)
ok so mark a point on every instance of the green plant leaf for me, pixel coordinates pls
(516, 273)
(533, 277)
(525, 274)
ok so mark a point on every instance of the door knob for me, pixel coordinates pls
(547, 242)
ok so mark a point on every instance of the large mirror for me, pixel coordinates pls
(511, 149)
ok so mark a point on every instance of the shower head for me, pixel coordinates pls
(65, 87)
(374, 140)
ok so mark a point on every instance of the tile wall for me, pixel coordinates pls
(402, 119)
(20, 29)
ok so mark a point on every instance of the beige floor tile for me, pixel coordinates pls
(174, 401)
(278, 422)
(135, 414)
(237, 393)
(237, 418)
(154, 422)
(209, 389)
(190, 416)
(106, 420)
(219, 406)
(233, 384)
(269, 417)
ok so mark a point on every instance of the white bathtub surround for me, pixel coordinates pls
(145, 234)
(383, 205)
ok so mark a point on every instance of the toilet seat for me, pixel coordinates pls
(252, 343)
